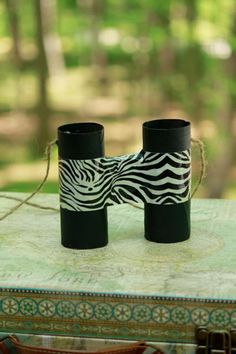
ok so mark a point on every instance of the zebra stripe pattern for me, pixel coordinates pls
(155, 178)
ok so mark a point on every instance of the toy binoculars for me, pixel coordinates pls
(158, 176)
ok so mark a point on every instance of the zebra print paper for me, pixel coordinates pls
(155, 178)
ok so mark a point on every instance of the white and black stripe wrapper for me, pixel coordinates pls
(148, 177)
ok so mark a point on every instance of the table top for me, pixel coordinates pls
(130, 289)
(201, 267)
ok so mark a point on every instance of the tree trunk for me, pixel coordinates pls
(12, 9)
(194, 66)
(52, 42)
(141, 92)
(98, 57)
(162, 65)
(42, 76)
(220, 168)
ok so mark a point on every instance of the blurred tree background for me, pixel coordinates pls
(119, 63)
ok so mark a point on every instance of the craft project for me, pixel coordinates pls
(158, 176)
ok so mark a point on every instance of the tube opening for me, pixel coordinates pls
(165, 124)
(80, 128)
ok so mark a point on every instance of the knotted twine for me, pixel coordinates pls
(48, 151)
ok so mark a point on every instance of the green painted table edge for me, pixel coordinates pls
(101, 315)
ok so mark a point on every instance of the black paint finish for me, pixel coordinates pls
(167, 223)
(82, 230)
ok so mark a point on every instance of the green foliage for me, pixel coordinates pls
(173, 53)
(3, 22)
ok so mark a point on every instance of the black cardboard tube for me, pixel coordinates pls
(167, 223)
(82, 230)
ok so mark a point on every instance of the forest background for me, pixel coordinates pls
(118, 63)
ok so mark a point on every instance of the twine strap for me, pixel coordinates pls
(202, 174)
(34, 205)
(48, 150)
(37, 189)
